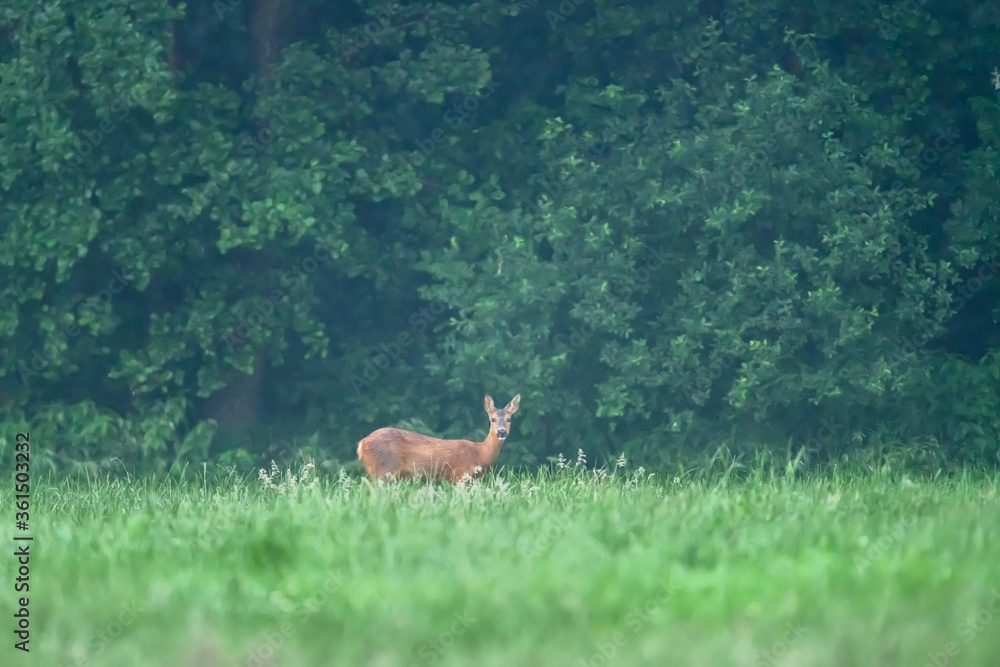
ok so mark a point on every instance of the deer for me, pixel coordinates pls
(392, 454)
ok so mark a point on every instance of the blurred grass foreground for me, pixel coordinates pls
(576, 567)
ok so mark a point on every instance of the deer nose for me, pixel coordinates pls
(501, 433)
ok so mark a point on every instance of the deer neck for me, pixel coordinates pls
(491, 447)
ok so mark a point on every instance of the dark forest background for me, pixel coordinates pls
(242, 230)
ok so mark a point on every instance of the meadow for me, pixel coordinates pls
(569, 567)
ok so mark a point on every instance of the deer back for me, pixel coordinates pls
(403, 454)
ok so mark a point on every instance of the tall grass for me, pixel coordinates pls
(566, 567)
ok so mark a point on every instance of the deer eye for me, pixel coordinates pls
(493, 420)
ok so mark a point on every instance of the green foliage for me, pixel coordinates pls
(665, 229)
(967, 420)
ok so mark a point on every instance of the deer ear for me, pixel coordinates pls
(513, 405)
(488, 404)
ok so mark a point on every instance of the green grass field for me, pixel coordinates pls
(567, 568)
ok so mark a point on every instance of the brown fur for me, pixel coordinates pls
(392, 453)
